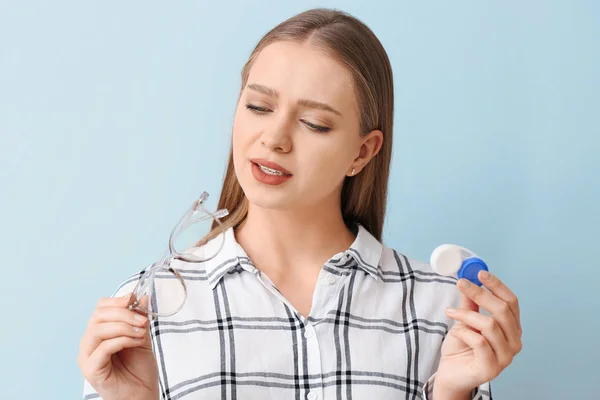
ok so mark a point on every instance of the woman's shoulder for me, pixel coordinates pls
(127, 285)
(188, 271)
(196, 270)
(395, 260)
(418, 276)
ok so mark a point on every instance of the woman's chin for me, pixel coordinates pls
(269, 197)
(273, 201)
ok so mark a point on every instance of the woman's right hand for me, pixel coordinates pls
(115, 353)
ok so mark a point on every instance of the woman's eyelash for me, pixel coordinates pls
(254, 108)
(317, 128)
(262, 110)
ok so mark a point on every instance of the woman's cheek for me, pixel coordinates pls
(326, 172)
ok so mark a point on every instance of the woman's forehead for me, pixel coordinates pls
(302, 71)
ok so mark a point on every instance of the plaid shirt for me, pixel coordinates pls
(374, 332)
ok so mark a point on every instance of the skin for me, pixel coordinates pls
(115, 352)
(274, 121)
(479, 347)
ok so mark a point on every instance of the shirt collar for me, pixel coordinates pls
(366, 251)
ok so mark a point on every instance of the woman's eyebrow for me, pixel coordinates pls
(263, 89)
(302, 102)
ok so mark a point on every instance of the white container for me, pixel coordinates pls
(457, 261)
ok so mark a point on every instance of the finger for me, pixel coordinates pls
(489, 329)
(481, 348)
(114, 314)
(122, 301)
(102, 354)
(108, 330)
(142, 305)
(468, 304)
(500, 290)
(495, 305)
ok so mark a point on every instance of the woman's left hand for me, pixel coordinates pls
(479, 347)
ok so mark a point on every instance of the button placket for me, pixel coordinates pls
(313, 357)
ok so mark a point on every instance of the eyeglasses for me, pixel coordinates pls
(164, 285)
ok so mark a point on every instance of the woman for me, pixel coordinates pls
(303, 300)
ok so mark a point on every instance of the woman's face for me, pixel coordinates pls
(298, 110)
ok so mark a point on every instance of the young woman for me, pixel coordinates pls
(304, 301)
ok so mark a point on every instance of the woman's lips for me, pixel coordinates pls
(270, 164)
(268, 179)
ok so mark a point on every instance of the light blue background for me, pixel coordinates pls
(114, 116)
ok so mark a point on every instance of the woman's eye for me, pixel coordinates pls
(311, 126)
(257, 109)
(316, 128)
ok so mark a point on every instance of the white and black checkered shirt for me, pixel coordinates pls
(374, 332)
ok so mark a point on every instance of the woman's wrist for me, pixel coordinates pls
(447, 392)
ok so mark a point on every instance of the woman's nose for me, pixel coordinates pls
(277, 136)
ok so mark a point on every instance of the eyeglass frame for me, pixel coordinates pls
(172, 254)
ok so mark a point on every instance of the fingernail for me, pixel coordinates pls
(450, 310)
(464, 283)
(140, 318)
(485, 275)
(137, 330)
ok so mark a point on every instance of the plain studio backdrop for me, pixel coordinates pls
(115, 116)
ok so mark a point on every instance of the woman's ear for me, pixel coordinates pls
(370, 146)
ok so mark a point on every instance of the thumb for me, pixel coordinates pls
(144, 301)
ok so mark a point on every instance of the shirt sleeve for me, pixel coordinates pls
(88, 391)
(483, 392)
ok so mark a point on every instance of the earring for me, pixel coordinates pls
(352, 173)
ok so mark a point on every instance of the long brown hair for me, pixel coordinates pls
(352, 43)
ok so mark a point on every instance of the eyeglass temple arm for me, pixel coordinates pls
(221, 213)
(185, 221)
(148, 280)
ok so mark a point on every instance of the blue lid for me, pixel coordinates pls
(470, 268)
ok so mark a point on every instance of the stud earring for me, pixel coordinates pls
(352, 173)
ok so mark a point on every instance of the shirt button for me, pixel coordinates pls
(308, 333)
(331, 279)
(311, 396)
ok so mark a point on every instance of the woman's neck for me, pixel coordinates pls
(293, 240)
